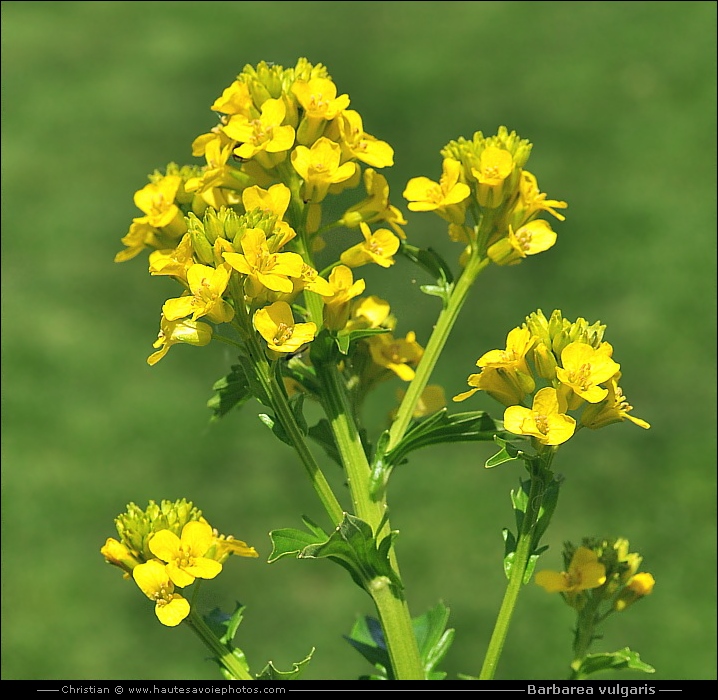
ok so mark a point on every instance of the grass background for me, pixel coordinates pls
(619, 101)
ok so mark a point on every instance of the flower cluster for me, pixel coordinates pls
(238, 232)
(599, 570)
(489, 200)
(548, 370)
(169, 545)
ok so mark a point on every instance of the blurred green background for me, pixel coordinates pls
(619, 102)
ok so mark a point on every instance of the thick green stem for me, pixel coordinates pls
(350, 446)
(230, 662)
(518, 569)
(433, 349)
(391, 605)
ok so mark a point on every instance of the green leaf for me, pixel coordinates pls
(471, 426)
(276, 427)
(296, 404)
(225, 627)
(433, 640)
(322, 434)
(345, 338)
(429, 260)
(270, 673)
(380, 468)
(621, 660)
(352, 546)
(367, 637)
(509, 452)
(287, 541)
(232, 391)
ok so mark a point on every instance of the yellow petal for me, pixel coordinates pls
(165, 545)
(197, 537)
(171, 613)
(551, 581)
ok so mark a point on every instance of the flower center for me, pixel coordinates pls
(283, 334)
(541, 423)
(523, 238)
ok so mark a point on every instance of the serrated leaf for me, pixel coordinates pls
(232, 391)
(352, 545)
(623, 659)
(270, 673)
(290, 541)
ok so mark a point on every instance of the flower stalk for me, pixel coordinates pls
(540, 478)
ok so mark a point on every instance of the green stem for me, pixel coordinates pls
(433, 349)
(284, 413)
(518, 568)
(584, 636)
(230, 662)
(349, 445)
(319, 481)
(390, 603)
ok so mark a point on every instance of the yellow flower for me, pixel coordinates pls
(397, 354)
(119, 555)
(362, 146)
(157, 201)
(320, 167)
(613, 409)
(375, 207)
(532, 238)
(532, 200)
(584, 572)
(495, 165)
(207, 285)
(442, 197)
(276, 325)
(584, 368)
(185, 556)
(275, 200)
(173, 261)
(378, 247)
(518, 342)
(371, 312)
(153, 580)
(140, 235)
(507, 385)
(264, 270)
(224, 546)
(318, 98)
(183, 331)
(544, 421)
(638, 586)
(343, 290)
(263, 138)
(234, 100)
